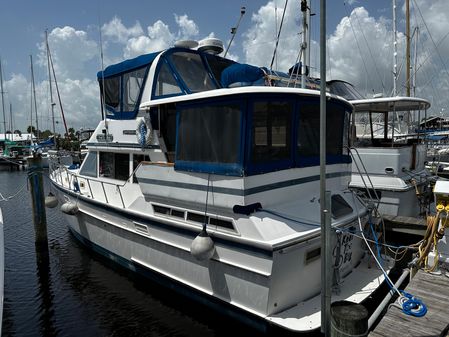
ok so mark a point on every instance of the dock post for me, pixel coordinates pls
(348, 319)
(38, 201)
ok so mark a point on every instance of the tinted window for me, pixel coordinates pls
(337, 121)
(271, 131)
(114, 165)
(112, 92)
(209, 134)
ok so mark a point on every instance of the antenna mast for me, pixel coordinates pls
(234, 29)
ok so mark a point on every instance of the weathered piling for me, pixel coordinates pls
(35, 179)
(348, 319)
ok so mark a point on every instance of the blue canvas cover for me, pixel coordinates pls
(127, 65)
(239, 72)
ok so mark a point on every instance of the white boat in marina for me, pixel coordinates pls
(389, 165)
(208, 180)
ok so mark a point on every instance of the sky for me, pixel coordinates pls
(359, 46)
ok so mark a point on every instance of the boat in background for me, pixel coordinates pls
(389, 160)
(204, 175)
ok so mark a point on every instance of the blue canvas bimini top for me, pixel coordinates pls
(127, 65)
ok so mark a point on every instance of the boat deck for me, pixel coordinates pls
(433, 290)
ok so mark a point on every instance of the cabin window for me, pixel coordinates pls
(112, 92)
(166, 82)
(168, 128)
(337, 133)
(89, 167)
(193, 72)
(210, 135)
(271, 131)
(114, 165)
(132, 86)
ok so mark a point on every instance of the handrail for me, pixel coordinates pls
(367, 175)
(57, 168)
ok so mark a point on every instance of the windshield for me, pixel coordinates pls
(193, 72)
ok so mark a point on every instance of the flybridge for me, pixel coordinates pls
(180, 71)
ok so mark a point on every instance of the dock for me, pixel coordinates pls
(433, 291)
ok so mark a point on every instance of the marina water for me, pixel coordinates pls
(78, 293)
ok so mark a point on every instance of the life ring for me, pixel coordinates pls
(144, 132)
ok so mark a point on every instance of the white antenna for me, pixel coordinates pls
(103, 112)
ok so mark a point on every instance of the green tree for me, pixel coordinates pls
(31, 129)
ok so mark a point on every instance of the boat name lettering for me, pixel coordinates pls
(129, 132)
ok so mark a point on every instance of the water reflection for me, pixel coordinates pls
(70, 291)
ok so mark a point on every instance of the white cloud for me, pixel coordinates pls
(360, 51)
(159, 37)
(187, 28)
(70, 50)
(260, 39)
(116, 31)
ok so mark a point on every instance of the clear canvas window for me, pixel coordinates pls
(166, 83)
(132, 83)
(193, 72)
(89, 167)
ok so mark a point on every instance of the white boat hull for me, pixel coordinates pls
(246, 277)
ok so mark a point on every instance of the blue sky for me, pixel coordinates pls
(359, 45)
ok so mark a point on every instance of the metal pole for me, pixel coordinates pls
(395, 53)
(234, 29)
(38, 201)
(326, 270)
(407, 37)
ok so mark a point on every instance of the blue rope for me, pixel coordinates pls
(413, 306)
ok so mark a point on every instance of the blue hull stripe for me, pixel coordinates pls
(240, 192)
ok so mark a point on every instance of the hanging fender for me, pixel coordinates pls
(144, 132)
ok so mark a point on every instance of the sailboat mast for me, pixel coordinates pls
(11, 123)
(305, 45)
(395, 52)
(407, 36)
(49, 83)
(34, 95)
(3, 99)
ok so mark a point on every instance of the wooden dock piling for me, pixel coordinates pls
(35, 179)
